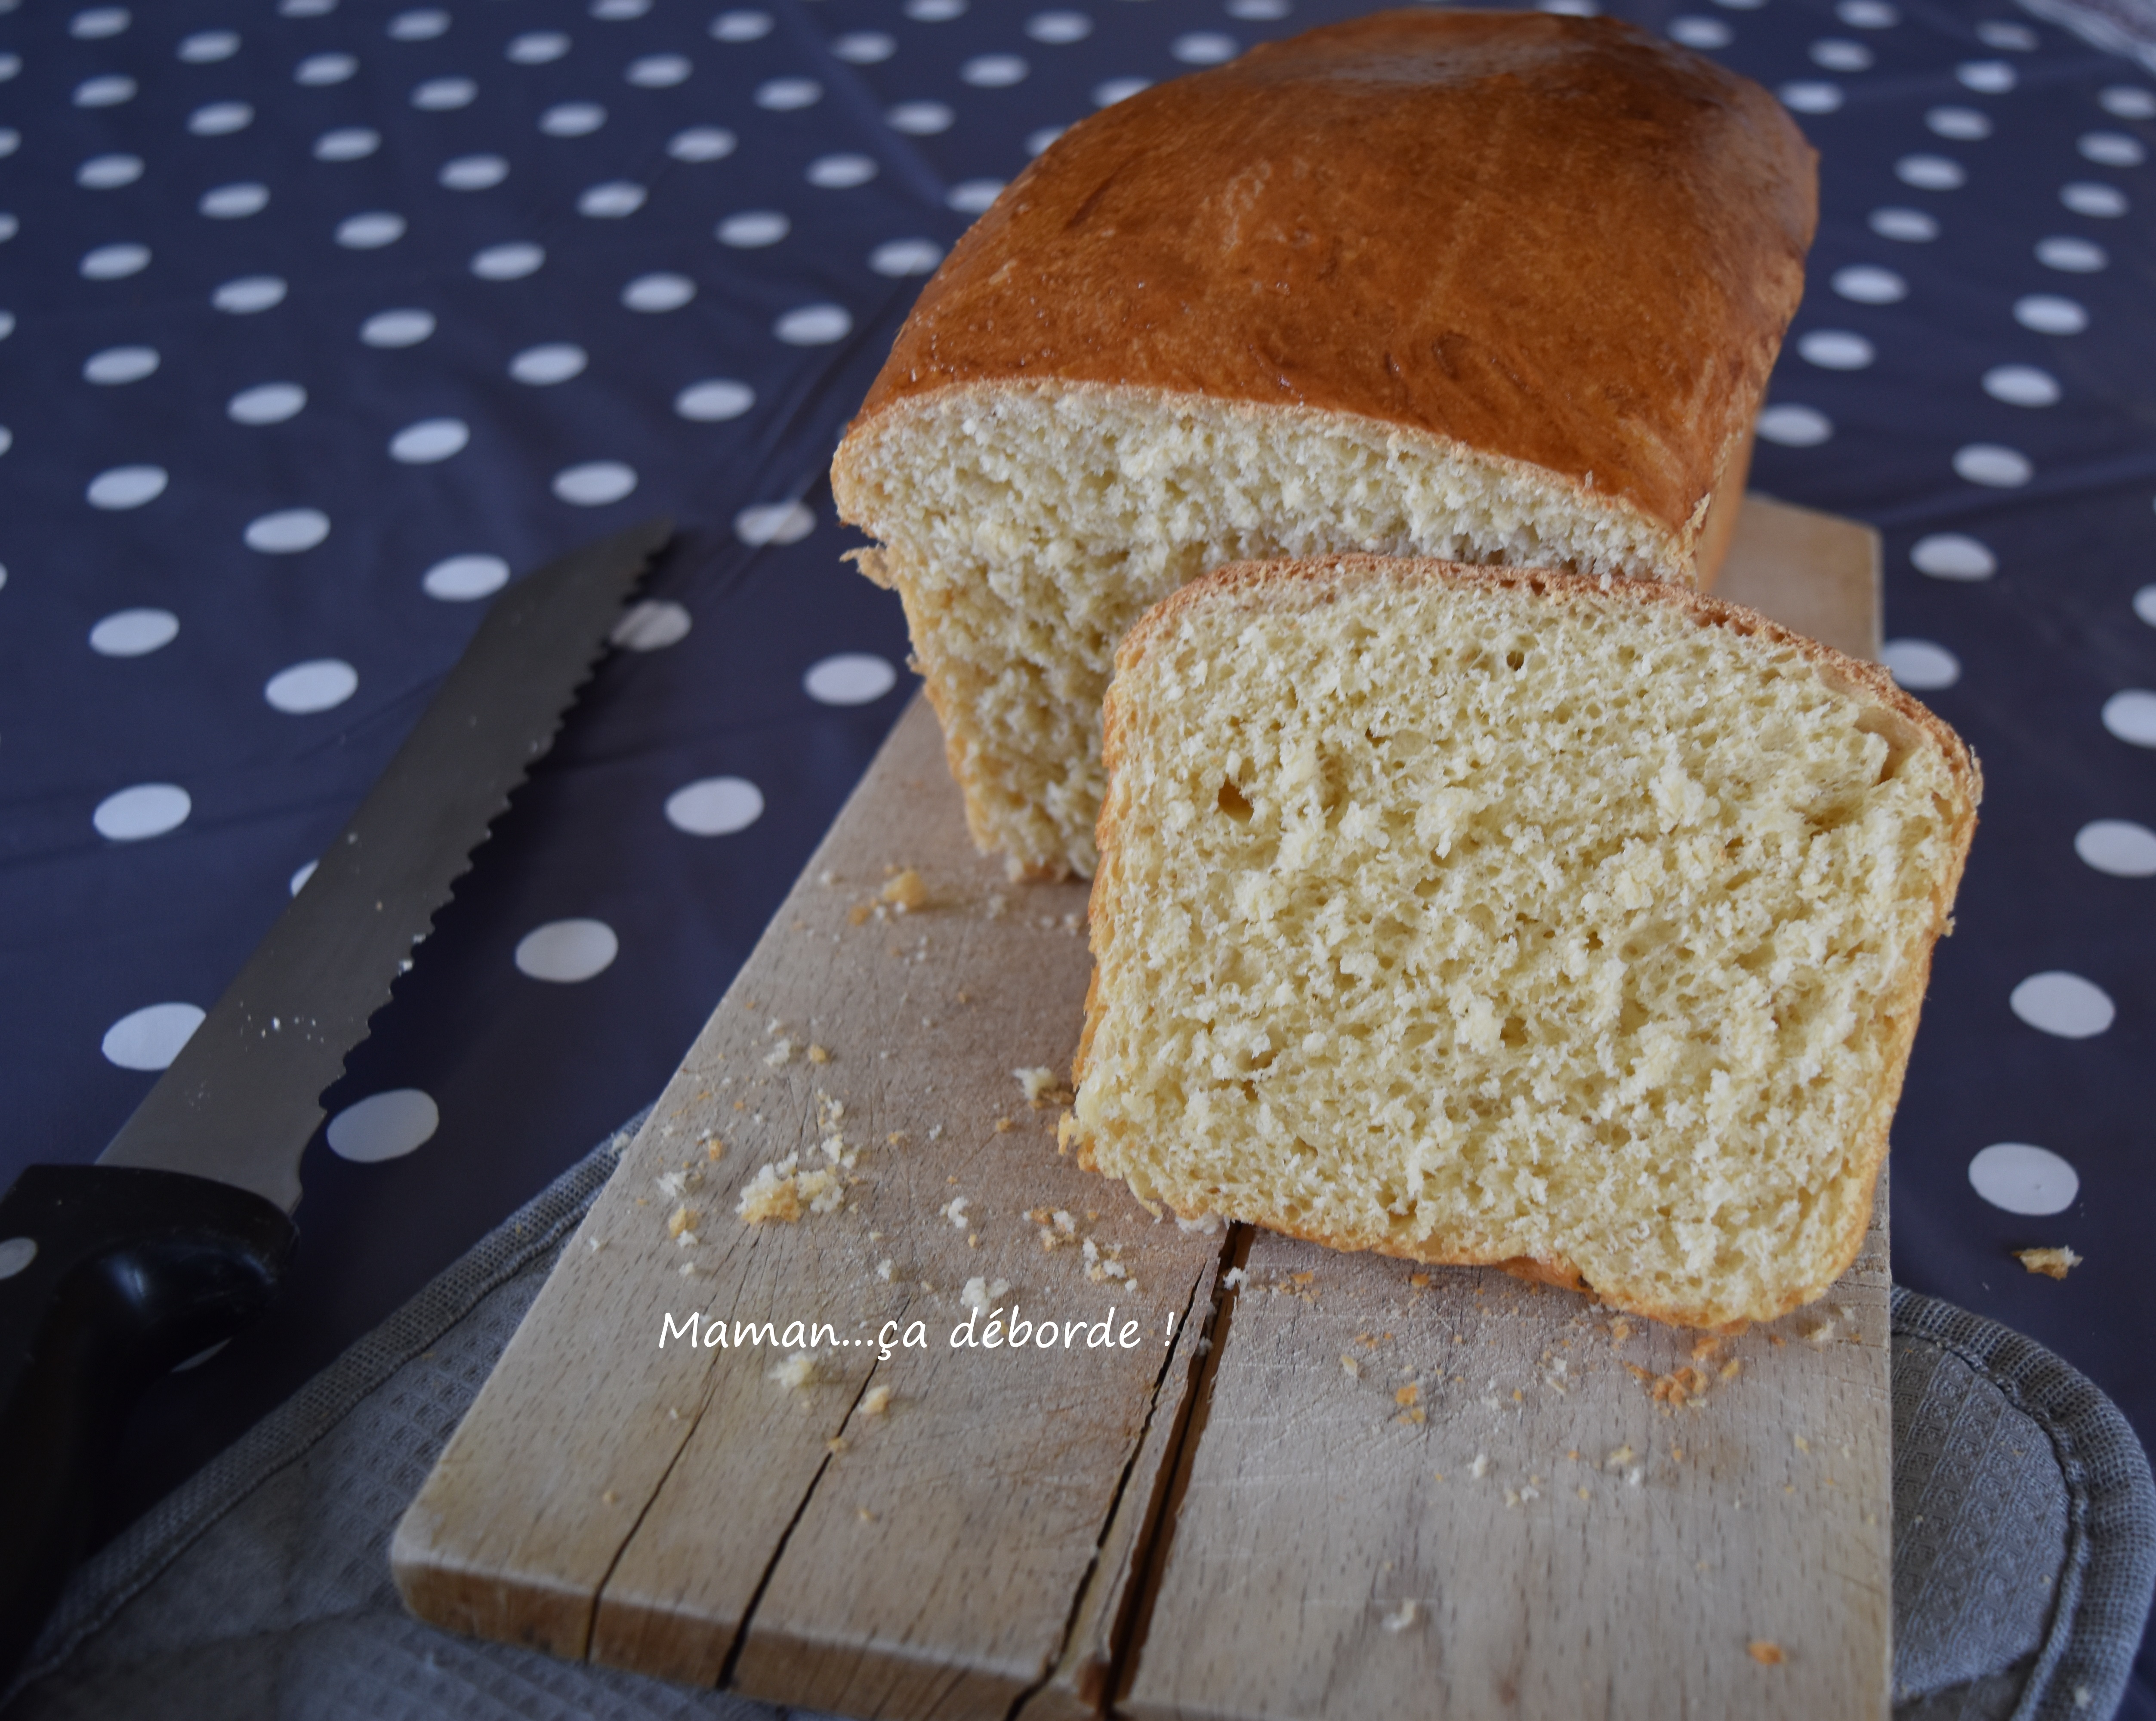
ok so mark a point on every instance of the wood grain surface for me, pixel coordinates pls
(1269, 1504)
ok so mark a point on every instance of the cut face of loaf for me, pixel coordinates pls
(1493, 287)
(1478, 916)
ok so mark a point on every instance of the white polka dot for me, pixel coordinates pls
(1811, 96)
(98, 22)
(321, 683)
(1838, 54)
(1930, 172)
(10, 140)
(1568, 9)
(108, 91)
(652, 625)
(1992, 464)
(2018, 1178)
(288, 532)
(384, 1125)
(1706, 33)
(659, 292)
(2130, 716)
(508, 262)
(2085, 196)
(849, 678)
(371, 231)
(1117, 90)
(348, 143)
(441, 94)
(2113, 149)
(1836, 350)
(151, 1038)
(1256, 9)
(659, 71)
(112, 263)
(934, 12)
(1795, 426)
(219, 119)
(2117, 846)
(473, 172)
(2021, 385)
(120, 364)
(618, 11)
(1911, 227)
(422, 25)
(567, 951)
(460, 579)
(7, 438)
(1058, 28)
(127, 487)
(15, 1255)
(774, 523)
(542, 366)
(7, 324)
(753, 227)
(2128, 102)
(840, 172)
(397, 328)
(715, 806)
(266, 404)
(134, 633)
(611, 201)
(815, 326)
(109, 172)
(973, 197)
(1869, 284)
(9, 227)
(234, 202)
(1987, 77)
(921, 119)
(2064, 1005)
(572, 119)
(595, 483)
(320, 69)
(248, 293)
(2071, 256)
(430, 440)
(305, 8)
(743, 26)
(147, 809)
(712, 401)
(537, 47)
(864, 48)
(1963, 124)
(785, 95)
(1953, 555)
(2050, 314)
(998, 71)
(207, 46)
(702, 143)
(1919, 665)
(904, 257)
(1997, 33)
(2144, 604)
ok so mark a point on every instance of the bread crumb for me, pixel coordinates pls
(1206, 1224)
(1767, 1654)
(1419, 1281)
(980, 1295)
(863, 1513)
(1702, 1348)
(678, 1222)
(1620, 1457)
(1408, 1395)
(1584, 1493)
(1480, 1467)
(1620, 1329)
(796, 1371)
(955, 1211)
(835, 1445)
(1234, 1279)
(905, 892)
(876, 1402)
(2052, 1263)
(1350, 1367)
(818, 1055)
(884, 1269)
(611, 1498)
(779, 1054)
(1730, 1370)
(1801, 1444)
(1041, 1087)
(1403, 1616)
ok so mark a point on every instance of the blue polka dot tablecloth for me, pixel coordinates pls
(319, 322)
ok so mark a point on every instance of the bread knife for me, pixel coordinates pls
(113, 1273)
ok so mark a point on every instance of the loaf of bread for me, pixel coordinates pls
(1485, 915)
(1500, 287)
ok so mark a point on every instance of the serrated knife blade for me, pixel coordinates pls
(111, 1273)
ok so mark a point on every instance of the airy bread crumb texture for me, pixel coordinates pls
(1477, 917)
(1027, 527)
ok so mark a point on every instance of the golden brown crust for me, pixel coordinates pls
(1326, 578)
(1554, 240)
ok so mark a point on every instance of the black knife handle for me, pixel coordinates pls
(114, 1275)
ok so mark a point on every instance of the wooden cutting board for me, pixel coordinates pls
(1246, 1479)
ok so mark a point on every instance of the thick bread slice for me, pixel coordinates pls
(1499, 287)
(1498, 917)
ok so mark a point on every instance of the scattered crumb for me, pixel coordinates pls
(1584, 1493)
(876, 1402)
(2052, 1263)
(796, 1371)
(1821, 1333)
(784, 1192)
(1005, 1126)
(1801, 1444)
(1419, 1281)
(818, 1054)
(1235, 1277)
(1620, 1329)
(905, 892)
(679, 1222)
(610, 1498)
(779, 1054)
(1480, 1467)
(835, 1445)
(1206, 1224)
(1767, 1654)
(1350, 1367)
(1041, 1087)
(1620, 1457)
(1408, 1395)
(1403, 1616)
(1732, 1369)
(884, 1269)
(980, 1295)
(863, 1513)
(955, 1211)
(1702, 1348)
